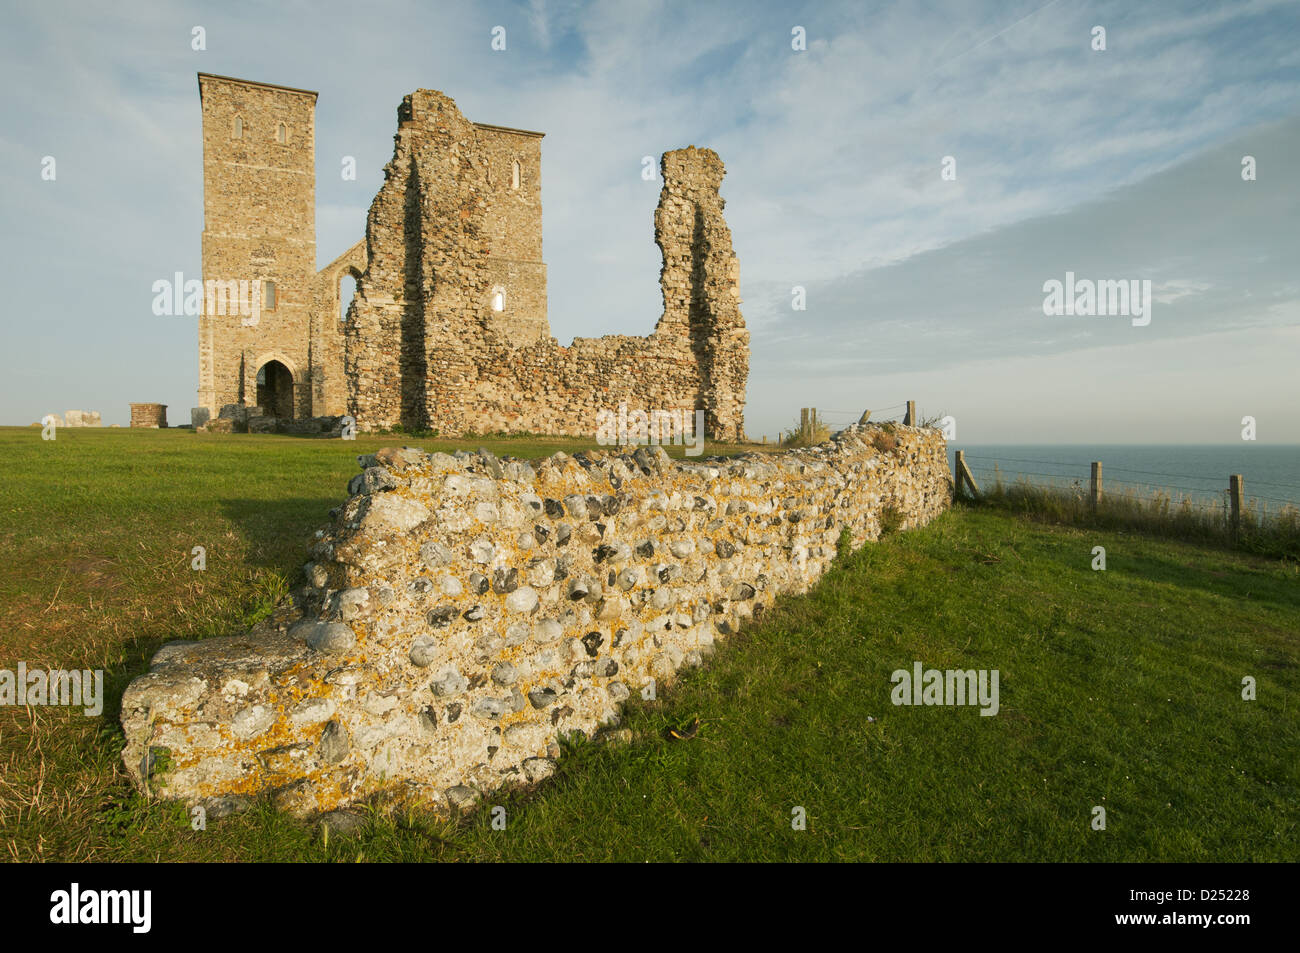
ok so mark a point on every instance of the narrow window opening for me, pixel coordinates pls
(498, 298)
(237, 132)
(268, 296)
(282, 134)
(347, 289)
(514, 175)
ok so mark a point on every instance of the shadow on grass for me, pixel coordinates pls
(278, 533)
(1232, 581)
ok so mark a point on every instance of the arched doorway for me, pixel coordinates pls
(275, 389)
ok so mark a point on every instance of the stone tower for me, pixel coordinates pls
(259, 226)
(448, 329)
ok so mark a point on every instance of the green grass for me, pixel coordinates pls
(1119, 688)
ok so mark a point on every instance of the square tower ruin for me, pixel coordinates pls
(259, 225)
(448, 329)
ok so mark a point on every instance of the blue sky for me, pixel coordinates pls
(1123, 163)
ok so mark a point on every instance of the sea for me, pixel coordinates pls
(1270, 472)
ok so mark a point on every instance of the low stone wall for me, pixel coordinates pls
(245, 422)
(82, 418)
(299, 426)
(463, 613)
(148, 415)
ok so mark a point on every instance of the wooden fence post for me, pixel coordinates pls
(1096, 483)
(803, 424)
(910, 417)
(963, 475)
(1236, 495)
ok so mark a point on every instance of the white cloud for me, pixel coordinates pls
(832, 155)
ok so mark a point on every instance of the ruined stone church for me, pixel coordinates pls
(448, 326)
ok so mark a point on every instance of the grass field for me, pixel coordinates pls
(1119, 689)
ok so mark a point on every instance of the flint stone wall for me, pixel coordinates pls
(462, 613)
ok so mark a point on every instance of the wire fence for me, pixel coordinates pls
(846, 417)
(1078, 474)
(1189, 506)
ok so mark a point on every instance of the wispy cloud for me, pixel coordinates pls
(1064, 156)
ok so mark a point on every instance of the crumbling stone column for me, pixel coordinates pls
(701, 285)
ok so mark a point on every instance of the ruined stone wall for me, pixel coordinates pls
(427, 275)
(329, 386)
(450, 328)
(82, 418)
(697, 356)
(427, 351)
(148, 415)
(701, 285)
(463, 613)
(259, 224)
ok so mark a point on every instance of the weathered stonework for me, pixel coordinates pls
(149, 415)
(426, 350)
(76, 418)
(462, 613)
(448, 329)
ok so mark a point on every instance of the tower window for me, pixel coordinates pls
(498, 298)
(268, 296)
(237, 131)
(514, 175)
(282, 134)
